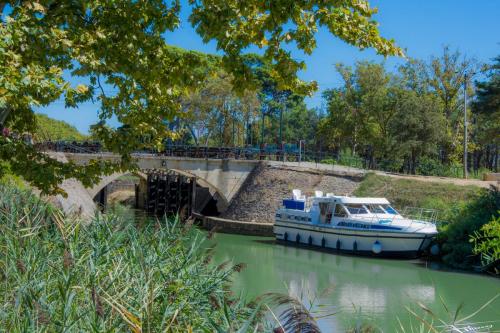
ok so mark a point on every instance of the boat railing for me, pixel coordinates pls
(409, 213)
(421, 214)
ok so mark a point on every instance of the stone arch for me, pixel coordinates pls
(222, 202)
(106, 180)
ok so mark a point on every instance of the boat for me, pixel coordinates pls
(364, 226)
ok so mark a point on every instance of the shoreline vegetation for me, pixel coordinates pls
(469, 237)
(60, 274)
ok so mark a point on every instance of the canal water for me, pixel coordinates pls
(357, 289)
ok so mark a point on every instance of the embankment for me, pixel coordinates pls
(266, 187)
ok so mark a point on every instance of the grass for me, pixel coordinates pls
(413, 193)
(112, 275)
(115, 274)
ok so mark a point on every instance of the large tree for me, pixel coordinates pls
(486, 109)
(114, 53)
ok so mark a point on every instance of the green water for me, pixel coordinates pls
(371, 290)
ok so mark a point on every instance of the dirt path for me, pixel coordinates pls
(341, 169)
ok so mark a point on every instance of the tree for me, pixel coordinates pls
(416, 127)
(117, 52)
(51, 129)
(446, 78)
(486, 110)
(216, 114)
(363, 107)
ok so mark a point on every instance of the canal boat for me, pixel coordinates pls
(365, 226)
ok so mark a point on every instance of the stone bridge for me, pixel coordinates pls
(222, 177)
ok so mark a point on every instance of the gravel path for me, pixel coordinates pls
(269, 184)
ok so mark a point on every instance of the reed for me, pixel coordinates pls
(112, 275)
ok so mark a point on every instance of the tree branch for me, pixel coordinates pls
(4, 113)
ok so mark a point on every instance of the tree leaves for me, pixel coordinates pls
(135, 76)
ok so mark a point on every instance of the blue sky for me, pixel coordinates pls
(421, 27)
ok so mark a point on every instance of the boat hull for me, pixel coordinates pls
(359, 242)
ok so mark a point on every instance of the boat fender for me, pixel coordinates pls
(285, 237)
(355, 246)
(377, 247)
(435, 250)
(310, 240)
(297, 238)
(338, 244)
(323, 242)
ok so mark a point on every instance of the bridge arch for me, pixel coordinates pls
(106, 180)
(216, 193)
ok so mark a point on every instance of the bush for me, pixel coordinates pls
(487, 244)
(465, 222)
(430, 167)
(109, 275)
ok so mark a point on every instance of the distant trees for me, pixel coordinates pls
(486, 110)
(216, 115)
(413, 118)
(51, 129)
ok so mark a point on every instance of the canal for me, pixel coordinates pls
(357, 289)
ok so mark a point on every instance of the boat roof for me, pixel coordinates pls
(354, 200)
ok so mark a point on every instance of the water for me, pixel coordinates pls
(370, 290)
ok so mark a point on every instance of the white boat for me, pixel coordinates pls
(366, 226)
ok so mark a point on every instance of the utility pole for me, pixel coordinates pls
(262, 129)
(465, 125)
(301, 142)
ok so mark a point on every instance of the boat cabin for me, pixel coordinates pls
(330, 209)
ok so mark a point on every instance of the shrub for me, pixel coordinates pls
(487, 244)
(465, 222)
(430, 167)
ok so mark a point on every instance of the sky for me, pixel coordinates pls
(421, 27)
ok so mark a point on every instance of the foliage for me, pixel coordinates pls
(51, 129)
(464, 222)
(488, 92)
(405, 121)
(216, 115)
(108, 275)
(487, 242)
(117, 53)
(370, 111)
(486, 108)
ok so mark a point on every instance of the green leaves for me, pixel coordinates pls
(135, 76)
(237, 25)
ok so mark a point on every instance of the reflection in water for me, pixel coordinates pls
(374, 289)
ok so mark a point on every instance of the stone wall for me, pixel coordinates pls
(217, 224)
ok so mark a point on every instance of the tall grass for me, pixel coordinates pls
(111, 275)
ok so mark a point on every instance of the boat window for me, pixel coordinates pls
(325, 212)
(389, 209)
(340, 211)
(356, 209)
(375, 209)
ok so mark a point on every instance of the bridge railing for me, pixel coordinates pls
(288, 153)
(87, 147)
